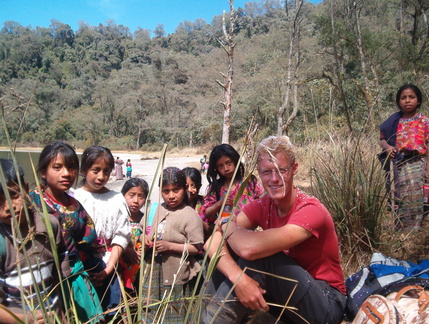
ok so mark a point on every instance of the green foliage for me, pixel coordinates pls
(134, 86)
(347, 178)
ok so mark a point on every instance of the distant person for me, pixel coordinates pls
(58, 168)
(14, 267)
(129, 167)
(224, 159)
(205, 167)
(203, 160)
(404, 137)
(176, 231)
(296, 255)
(135, 192)
(119, 173)
(109, 212)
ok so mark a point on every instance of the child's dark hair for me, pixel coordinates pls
(175, 176)
(91, 155)
(195, 175)
(135, 182)
(10, 175)
(213, 176)
(416, 91)
(51, 151)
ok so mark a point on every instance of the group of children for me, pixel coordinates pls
(101, 235)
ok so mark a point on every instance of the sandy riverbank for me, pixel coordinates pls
(145, 167)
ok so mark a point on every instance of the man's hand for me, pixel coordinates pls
(37, 317)
(249, 293)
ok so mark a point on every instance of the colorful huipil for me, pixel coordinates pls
(79, 234)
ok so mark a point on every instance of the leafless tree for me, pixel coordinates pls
(366, 90)
(337, 80)
(228, 44)
(295, 83)
(293, 64)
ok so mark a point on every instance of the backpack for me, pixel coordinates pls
(407, 306)
(383, 276)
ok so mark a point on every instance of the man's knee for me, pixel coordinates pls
(220, 302)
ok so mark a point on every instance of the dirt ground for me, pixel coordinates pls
(145, 165)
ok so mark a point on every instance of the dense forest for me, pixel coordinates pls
(334, 67)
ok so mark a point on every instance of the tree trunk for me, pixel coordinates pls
(294, 38)
(295, 82)
(228, 46)
(367, 91)
(338, 71)
(377, 87)
(139, 132)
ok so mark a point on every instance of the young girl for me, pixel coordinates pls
(193, 181)
(176, 229)
(404, 137)
(135, 192)
(58, 168)
(28, 265)
(196, 201)
(222, 163)
(129, 168)
(110, 214)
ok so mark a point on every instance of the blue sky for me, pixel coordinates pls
(146, 14)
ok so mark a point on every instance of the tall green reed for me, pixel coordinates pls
(347, 178)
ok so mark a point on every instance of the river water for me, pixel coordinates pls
(24, 159)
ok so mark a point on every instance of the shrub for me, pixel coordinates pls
(347, 178)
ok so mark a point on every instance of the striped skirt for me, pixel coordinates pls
(166, 303)
(409, 185)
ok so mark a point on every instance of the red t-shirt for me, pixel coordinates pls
(319, 254)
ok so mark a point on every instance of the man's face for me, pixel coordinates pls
(277, 173)
(18, 202)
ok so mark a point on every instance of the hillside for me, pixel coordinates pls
(337, 70)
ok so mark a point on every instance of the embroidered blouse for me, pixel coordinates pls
(252, 191)
(76, 225)
(413, 134)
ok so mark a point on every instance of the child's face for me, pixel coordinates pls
(173, 195)
(408, 101)
(225, 166)
(135, 198)
(97, 176)
(58, 177)
(17, 205)
(191, 189)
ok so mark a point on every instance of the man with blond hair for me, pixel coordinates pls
(293, 262)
